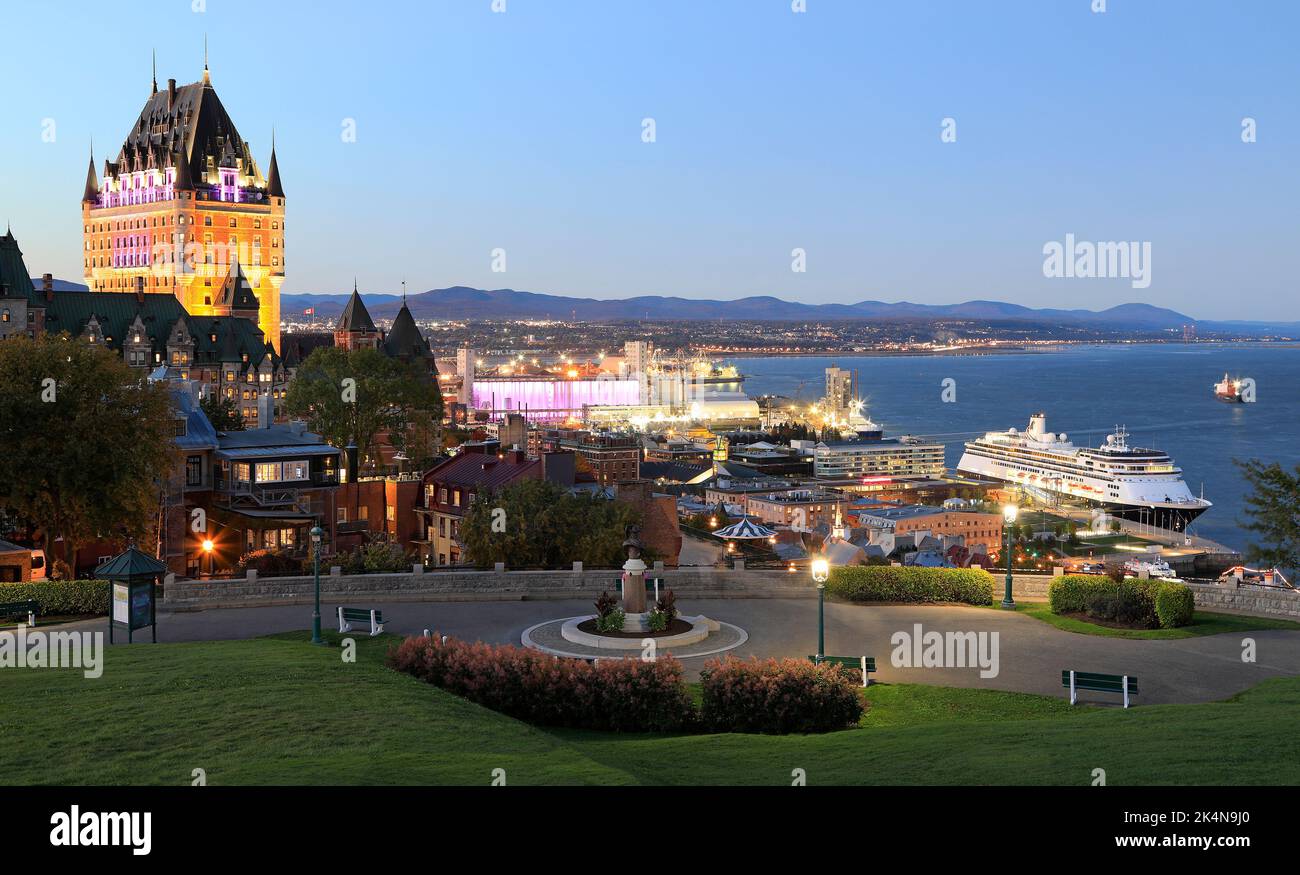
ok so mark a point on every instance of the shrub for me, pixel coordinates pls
(667, 604)
(377, 557)
(270, 563)
(1174, 603)
(620, 695)
(658, 621)
(61, 597)
(1144, 603)
(906, 584)
(612, 621)
(777, 696)
(605, 603)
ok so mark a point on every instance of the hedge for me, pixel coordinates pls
(893, 583)
(61, 597)
(621, 695)
(777, 696)
(1171, 604)
(629, 695)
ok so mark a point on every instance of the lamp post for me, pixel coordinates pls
(316, 533)
(208, 547)
(1009, 516)
(821, 570)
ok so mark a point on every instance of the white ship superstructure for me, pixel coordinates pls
(1129, 482)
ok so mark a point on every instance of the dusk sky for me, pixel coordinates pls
(522, 130)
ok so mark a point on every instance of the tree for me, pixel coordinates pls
(1274, 511)
(536, 524)
(86, 442)
(222, 412)
(386, 395)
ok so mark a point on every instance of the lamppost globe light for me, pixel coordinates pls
(821, 570)
(207, 545)
(1010, 512)
(316, 532)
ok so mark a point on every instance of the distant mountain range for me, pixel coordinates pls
(462, 302)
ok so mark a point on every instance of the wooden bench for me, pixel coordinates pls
(864, 664)
(348, 616)
(17, 609)
(1127, 685)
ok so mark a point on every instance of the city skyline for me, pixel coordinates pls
(771, 129)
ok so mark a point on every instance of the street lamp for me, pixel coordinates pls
(821, 571)
(1009, 513)
(207, 548)
(316, 533)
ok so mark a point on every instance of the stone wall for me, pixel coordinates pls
(696, 583)
(1247, 599)
(689, 583)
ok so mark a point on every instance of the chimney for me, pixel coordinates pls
(47, 282)
(265, 410)
(171, 94)
(350, 462)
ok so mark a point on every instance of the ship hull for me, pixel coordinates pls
(1230, 399)
(1172, 518)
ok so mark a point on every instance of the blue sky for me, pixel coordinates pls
(775, 130)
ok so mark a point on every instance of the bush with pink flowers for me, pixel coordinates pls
(620, 695)
(777, 696)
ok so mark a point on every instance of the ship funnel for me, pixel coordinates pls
(1037, 424)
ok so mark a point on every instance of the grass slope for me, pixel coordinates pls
(279, 711)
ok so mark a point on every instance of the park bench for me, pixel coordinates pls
(864, 664)
(348, 616)
(1099, 683)
(17, 609)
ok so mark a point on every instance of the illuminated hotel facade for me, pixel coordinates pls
(185, 210)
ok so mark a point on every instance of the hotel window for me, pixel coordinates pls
(341, 515)
(287, 538)
(194, 471)
(234, 223)
(242, 471)
(363, 513)
(257, 223)
(207, 223)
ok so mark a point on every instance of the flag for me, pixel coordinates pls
(310, 311)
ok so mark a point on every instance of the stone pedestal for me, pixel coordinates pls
(636, 622)
(634, 587)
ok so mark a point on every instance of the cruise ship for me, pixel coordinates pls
(1128, 482)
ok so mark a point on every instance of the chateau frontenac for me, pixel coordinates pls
(185, 209)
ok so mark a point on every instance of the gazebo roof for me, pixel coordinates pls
(129, 565)
(745, 530)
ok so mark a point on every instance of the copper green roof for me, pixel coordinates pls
(115, 312)
(130, 564)
(15, 279)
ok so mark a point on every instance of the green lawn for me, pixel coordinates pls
(1203, 623)
(279, 711)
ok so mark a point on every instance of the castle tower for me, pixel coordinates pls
(355, 328)
(185, 206)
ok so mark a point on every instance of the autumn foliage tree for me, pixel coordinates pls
(86, 440)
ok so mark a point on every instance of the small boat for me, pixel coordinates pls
(1156, 569)
(1229, 390)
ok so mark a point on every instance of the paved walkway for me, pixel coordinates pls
(1031, 654)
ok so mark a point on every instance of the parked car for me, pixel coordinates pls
(38, 565)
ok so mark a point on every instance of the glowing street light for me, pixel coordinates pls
(821, 572)
(1009, 514)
